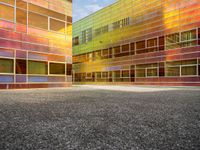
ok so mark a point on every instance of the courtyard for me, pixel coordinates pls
(101, 117)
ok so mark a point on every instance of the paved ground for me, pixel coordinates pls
(89, 117)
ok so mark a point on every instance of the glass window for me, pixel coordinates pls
(6, 65)
(189, 38)
(21, 16)
(140, 46)
(152, 72)
(76, 41)
(69, 69)
(20, 66)
(188, 70)
(6, 12)
(125, 74)
(35, 21)
(172, 41)
(57, 26)
(188, 35)
(57, 68)
(173, 71)
(37, 67)
(125, 48)
(152, 42)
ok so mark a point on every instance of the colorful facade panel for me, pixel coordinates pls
(35, 43)
(139, 42)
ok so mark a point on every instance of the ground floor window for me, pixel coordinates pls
(37, 67)
(6, 65)
(182, 68)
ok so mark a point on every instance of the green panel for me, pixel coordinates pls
(37, 67)
(6, 66)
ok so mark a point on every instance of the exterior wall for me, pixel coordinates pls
(35, 43)
(139, 42)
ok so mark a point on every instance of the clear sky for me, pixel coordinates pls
(82, 8)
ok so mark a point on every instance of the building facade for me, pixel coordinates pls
(35, 43)
(140, 42)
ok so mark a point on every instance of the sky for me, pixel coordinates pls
(82, 8)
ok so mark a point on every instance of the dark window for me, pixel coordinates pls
(117, 51)
(57, 68)
(140, 47)
(161, 43)
(132, 46)
(199, 36)
(69, 69)
(133, 73)
(76, 41)
(20, 66)
(152, 45)
(161, 69)
(125, 48)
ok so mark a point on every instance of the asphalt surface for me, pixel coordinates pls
(91, 118)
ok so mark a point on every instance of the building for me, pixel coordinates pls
(139, 42)
(35, 43)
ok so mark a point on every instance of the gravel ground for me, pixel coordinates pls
(91, 118)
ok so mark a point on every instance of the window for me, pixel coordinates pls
(6, 65)
(132, 46)
(117, 76)
(182, 68)
(86, 35)
(125, 48)
(6, 12)
(57, 68)
(37, 67)
(172, 41)
(35, 21)
(101, 30)
(188, 38)
(140, 47)
(69, 69)
(152, 45)
(117, 51)
(198, 36)
(21, 16)
(75, 41)
(57, 26)
(121, 23)
(161, 43)
(147, 70)
(20, 66)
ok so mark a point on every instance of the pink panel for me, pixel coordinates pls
(10, 44)
(20, 54)
(6, 25)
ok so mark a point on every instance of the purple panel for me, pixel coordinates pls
(5, 79)
(37, 79)
(6, 52)
(57, 79)
(21, 54)
(20, 78)
(37, 56)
